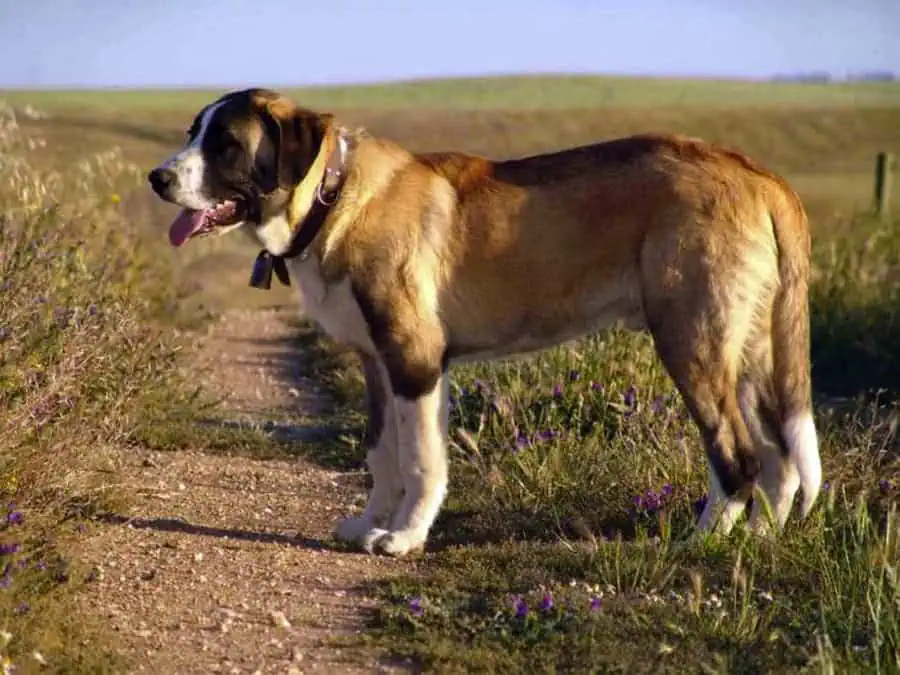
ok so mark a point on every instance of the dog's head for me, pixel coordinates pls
(245, 154)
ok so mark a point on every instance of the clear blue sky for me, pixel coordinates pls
(296, 42)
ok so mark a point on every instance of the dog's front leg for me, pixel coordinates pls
(423, 465)
(381, 458)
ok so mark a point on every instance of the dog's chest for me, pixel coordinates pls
(332, 305)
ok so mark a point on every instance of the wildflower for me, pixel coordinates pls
(596, 386)
(415, 606)
(659, 404)
(630, 396)
(826, 486)
(557, 391)
(546, 602)
(884, 485)
(15, 518)
(115, 198)
(546, 435)
(520, 607)
(92, 310)
(700, 504)
(522, 443)
(596, 603)
(9, 549)
(5, 581)
(667, 489)
(574, 375)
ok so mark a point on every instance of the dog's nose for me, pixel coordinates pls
(161, 180)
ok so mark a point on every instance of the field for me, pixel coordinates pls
(576, 475)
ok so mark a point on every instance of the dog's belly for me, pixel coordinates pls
(531, 326)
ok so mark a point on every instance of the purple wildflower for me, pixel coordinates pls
(574, 375)
(826, 486)
(546, 602)
(415, 606)
(92, 310)
(9, 549)
(630, 396)
(884, 485)
(546, 435)
(15, 518)
(596, 604)
(522, 443)
(667, 489)
(596, 386)
(41, 565)
(5, 581)
(520, 607)
(700, 504)
(557, 391)
(659, 404)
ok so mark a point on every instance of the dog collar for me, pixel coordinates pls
(326, 195)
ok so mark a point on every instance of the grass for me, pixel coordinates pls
(576, 480)
(576, 475)
(512, 92)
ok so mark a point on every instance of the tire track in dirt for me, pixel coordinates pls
(222, 564)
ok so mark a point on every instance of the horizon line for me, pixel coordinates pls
(774, 78)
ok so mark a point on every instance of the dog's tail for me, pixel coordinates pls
(791, 342)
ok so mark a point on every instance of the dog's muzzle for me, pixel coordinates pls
(162, 181)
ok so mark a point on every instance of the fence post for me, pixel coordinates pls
(884, 168)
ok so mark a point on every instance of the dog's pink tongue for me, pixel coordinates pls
(185, 224)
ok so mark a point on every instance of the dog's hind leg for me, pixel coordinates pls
(381, 457)
(700, 332)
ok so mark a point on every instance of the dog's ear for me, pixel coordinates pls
(297, 135)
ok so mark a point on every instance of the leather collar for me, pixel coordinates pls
(327, 194)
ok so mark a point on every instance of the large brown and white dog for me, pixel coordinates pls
(420, 261)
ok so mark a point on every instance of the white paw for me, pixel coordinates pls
(400, 542)
(353, 530)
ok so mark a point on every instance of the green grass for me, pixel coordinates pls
(576, 478)
(512, 92)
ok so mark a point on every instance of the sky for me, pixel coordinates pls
(99, 43)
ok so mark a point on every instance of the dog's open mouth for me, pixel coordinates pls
(194, 223)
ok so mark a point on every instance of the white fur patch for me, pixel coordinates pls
(189, 167)
(721, 512)
(803, 447)
(332, 306)
(422, 455)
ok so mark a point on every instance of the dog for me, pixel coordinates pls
(420, 261)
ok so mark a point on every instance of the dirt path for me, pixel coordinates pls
(219, 566)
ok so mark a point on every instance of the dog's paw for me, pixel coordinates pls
(400, 543)
(353, 530)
